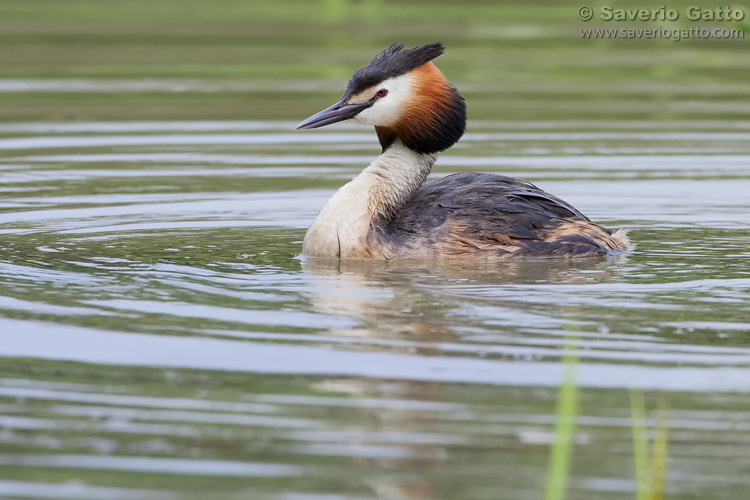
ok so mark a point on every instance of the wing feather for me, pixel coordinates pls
(477, 212)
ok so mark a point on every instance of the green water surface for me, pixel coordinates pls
(162, 337)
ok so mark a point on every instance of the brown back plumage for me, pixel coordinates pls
(493, 216)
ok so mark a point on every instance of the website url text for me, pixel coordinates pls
(675, 34)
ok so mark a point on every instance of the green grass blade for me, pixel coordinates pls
(558, 470)
(660, 449)
(640, 445)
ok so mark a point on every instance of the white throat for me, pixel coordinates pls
(344, 226)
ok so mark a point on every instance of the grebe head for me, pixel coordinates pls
(405, 96)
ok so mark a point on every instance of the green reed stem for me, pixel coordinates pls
(561, 452)
(640, 445)
(660, 449)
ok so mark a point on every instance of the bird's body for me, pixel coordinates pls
(389, 212)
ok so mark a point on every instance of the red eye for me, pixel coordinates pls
(382, 93)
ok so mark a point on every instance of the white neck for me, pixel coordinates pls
(343, 227)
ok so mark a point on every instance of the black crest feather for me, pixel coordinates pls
(392, 62)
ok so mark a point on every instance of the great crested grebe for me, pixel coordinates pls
(389, 212)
